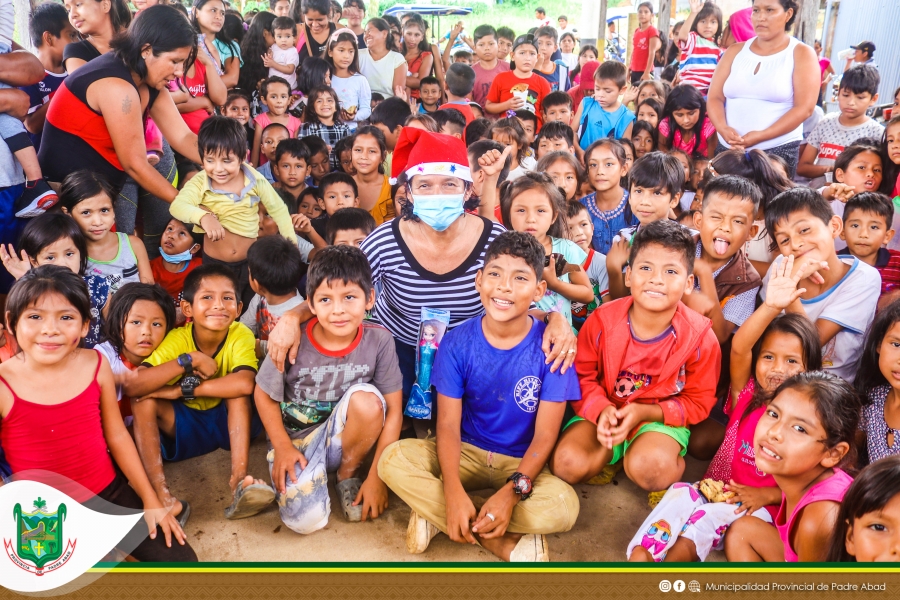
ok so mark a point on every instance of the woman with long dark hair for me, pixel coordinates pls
(95, 121)
(314, 28)
(208, 19)
(98, 22)
(418, 55)
(379, 63)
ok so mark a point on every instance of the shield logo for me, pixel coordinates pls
(39, 533)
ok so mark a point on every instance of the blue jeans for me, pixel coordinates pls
(155, 211)
(10, 228)
(12, 130)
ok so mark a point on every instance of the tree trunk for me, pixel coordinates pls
(665, 12)
(805, 25)
(602, 30)
(23, 17)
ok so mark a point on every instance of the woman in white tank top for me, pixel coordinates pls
(763, 89)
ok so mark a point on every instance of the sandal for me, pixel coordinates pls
(249, 500)
(185, 513)
(348, 490)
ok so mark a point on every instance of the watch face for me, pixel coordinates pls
(189, 383)
(523, 485)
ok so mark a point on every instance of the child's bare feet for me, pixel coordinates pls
(153, 158)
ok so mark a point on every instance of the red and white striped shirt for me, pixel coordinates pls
(699, 57)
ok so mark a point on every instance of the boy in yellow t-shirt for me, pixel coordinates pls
(193, 395)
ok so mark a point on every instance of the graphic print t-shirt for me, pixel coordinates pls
(641, 51)
(851, 304)
(40, 94)
(318, 379)
(829, 138)
(643, 363)
(500, 389)
(507, 83)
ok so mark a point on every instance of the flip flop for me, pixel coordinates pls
(185, 514)
(249, 500)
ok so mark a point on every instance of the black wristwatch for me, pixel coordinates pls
(189, 383)
(522, 485)
(186, 362)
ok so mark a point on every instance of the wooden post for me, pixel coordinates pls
(805, 25)
(23, 10)
(665, 16)
(602, 30)
(629, 43)
(832, 23)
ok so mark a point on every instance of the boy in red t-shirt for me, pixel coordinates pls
(520, 88)
(648, 368)
(646, 43)
(177, 257)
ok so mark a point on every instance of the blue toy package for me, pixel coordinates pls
(432, 327)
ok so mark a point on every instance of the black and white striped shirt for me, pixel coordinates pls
(405, 286)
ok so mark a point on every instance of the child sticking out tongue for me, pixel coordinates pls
(720, 246)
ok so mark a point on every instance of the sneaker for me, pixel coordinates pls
(35, 200)
(348, 489)
(531, 548)
(419, 534)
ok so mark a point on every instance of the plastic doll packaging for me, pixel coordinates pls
(432, 326)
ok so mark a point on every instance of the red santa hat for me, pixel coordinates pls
(420, 152)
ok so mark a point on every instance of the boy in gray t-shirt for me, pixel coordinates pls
(339, 400)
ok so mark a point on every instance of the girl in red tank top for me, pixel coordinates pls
(200, 91)
(66, 435)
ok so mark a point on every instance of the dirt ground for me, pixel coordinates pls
(610, 515)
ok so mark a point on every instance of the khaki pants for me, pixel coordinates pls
(411, 469)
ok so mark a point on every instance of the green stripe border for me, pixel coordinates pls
(439, 567)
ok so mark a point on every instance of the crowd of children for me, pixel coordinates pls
(721, 310)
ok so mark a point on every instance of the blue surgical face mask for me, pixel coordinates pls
(438, 211)
(176, 258)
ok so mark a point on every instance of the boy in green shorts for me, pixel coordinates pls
(647, 366)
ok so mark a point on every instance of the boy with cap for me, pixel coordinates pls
(864, 55)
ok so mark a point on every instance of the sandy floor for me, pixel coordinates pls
(609, 517)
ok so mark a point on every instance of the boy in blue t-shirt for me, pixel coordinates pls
(604, 115)
(553, 68)
(499, 413)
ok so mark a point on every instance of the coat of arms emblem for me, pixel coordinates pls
(39, 539)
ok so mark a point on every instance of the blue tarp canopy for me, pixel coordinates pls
(428, 9)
